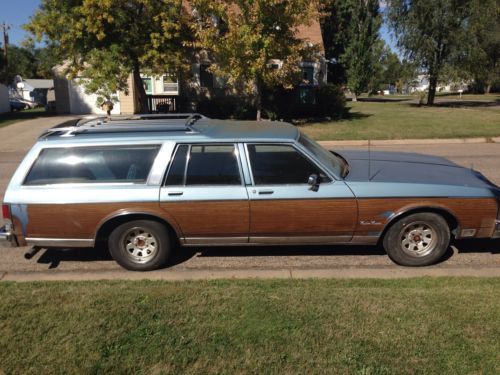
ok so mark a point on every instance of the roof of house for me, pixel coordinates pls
(40, 83)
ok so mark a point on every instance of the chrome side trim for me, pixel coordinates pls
(215, 241)
(301, 240)
(60, 242)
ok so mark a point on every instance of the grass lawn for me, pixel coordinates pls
(440, 325)
(27, 114)
(474, 116)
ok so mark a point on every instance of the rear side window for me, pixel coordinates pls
(92, 165)
(204, 165)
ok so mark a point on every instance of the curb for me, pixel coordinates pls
(390, 142)
(245, 274)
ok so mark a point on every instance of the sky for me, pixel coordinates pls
(17, 12)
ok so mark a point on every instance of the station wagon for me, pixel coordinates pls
(149, 185)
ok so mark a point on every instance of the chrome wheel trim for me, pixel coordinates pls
(418, 239)
(139, 244)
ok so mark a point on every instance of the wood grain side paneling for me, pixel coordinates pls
(210, 218)
(303, 217)
(471, 213)
(82, 220)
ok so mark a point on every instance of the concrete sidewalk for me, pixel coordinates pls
(392, 272)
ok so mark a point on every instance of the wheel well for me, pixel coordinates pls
(105, 230)
(450, 219)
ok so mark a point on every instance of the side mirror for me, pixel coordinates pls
(313, 182)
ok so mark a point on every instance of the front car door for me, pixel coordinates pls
(283, 208)
(205, 194)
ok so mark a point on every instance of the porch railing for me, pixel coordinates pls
(162, 104)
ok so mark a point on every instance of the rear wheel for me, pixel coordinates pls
(417, 240)
(140, 245)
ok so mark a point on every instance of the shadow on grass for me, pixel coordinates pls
(28, 114)
(460, 104)
(384, 100)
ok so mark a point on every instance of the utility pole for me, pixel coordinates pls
(5, 27)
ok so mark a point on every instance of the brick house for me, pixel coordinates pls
(163, 91)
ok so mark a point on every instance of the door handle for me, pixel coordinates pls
(262, 192)
(175, 193)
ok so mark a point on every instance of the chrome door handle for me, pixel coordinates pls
(175, 193)
(262, 192)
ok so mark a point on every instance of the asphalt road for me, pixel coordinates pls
(466, 254)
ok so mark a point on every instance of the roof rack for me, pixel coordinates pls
(134, 123)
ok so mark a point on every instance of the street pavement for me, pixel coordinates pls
(468, 257)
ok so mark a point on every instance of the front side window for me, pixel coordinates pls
(92, 165)
(280, 165)
(204, 165)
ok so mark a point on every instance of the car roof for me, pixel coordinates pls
(159, 128)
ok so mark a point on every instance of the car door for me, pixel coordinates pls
(284, 208)
(205, 194)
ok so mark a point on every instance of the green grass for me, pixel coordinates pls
(10, 118)
(475, 116)
(443, 325)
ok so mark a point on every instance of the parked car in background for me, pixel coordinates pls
(149, 183)
(16, 104)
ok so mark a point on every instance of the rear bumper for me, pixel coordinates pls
(7, 238)
(496, 232)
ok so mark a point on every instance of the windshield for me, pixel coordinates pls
(337, 164)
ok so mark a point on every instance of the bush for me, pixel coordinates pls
(305, 102)
(226, 107)
(330, 101)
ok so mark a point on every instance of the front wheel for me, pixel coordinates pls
(417, 240)
(140, 245)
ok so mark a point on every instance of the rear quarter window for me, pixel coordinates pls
(92, 165)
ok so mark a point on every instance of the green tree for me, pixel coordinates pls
(432, 33)
(242, 38)
(484, 34)
(103, 41)
(351, 34)
(21, 61)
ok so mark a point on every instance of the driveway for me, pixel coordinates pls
(465, 255)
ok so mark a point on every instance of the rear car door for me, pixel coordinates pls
(205, 194)
(283, 208)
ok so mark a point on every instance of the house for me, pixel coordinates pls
(33, 92)
(421, 84)
(163, 91)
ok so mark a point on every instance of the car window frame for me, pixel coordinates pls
(146, 181)
(297, 149)
(186, 166)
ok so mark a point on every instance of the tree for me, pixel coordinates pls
(242, 38)
(431, 33)
(484, 34)
(350, 30)
(21, 62)
(103, 41)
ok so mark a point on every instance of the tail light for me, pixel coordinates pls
(6, 211)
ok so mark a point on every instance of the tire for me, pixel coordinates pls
(417, 240)
(140, 245)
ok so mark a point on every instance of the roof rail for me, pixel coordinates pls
(135, 123)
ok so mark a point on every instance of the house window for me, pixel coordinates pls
(169, 83)
(308, 75)
(206, 77)
(148, 85)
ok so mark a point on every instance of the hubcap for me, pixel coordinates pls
(418, 239)
(140, 245)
